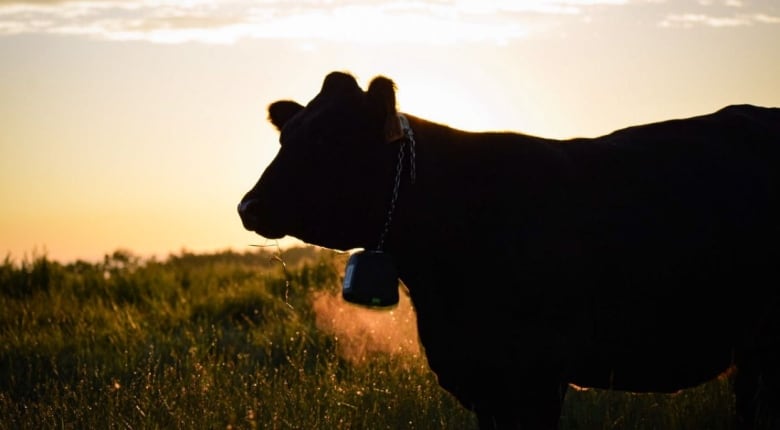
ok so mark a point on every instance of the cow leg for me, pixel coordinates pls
(757, 383)
(539, 410)
(512, 421)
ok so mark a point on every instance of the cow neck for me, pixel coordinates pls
(407, 139)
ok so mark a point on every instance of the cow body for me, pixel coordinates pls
(534, 263)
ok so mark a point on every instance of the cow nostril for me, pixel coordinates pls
(243, 206)
(247, 210)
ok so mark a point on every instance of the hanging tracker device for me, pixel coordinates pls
(371, 280)
(371, 277)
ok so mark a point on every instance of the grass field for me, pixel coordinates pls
(245, 341)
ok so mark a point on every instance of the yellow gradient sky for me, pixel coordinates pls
(139, 124)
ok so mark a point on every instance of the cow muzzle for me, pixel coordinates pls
(246, 210)
(251, 212)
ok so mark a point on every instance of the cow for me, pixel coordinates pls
(644, 260)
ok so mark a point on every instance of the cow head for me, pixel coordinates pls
(330, 183)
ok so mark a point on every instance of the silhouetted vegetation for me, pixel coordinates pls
(232, 340)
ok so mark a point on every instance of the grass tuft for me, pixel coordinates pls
(239, 341)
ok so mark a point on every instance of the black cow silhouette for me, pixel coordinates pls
(644, 260)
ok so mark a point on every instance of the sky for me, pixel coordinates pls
(138, 125)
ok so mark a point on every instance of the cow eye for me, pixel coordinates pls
(328, 139)
(325, 136)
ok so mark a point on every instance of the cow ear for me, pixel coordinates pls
(280, 112)
(381, 93)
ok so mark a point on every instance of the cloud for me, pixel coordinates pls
(722, 14)
(766, 19)
(690, 20)
(227, 21)
(359, 21)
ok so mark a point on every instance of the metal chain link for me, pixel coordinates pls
(399, 167)
(409, 137)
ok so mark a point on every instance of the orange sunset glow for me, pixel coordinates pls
(139, 124)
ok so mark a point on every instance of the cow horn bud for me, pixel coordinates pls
(338, 81)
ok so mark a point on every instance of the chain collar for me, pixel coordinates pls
(408, 138)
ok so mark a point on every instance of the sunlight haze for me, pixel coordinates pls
(140, 124)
